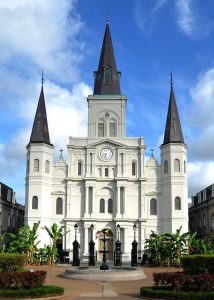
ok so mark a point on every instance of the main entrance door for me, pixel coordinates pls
(109, 244)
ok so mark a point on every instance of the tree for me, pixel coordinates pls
(55, 234)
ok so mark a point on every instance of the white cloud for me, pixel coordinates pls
(186, 20)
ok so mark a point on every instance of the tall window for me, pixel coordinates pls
(36, 165)
(79, 168)
(177, 165)
(100, 129)
(110, 206)
(107, 74)
(35, 202)
(47, 166)
(102, 206)
(59, 206)
(177, 203)
(153, 207)
(106, 172)
(133, 168)
(112, 129)
(165, 165)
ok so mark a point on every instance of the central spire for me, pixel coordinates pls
(107, 78)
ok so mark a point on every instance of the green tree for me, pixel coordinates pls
(55, 234)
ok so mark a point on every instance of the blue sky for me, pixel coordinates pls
(63, 38)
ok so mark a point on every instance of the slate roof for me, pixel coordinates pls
(107, 59)
(40, 133)
(173, 130)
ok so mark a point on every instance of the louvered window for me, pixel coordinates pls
(113, 129)
(100, 129)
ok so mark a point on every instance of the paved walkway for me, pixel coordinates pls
(89, 290)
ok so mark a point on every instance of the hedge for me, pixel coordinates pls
(167, 294)
(12, 262)
(197, 264)
(22, 280)
(44, 291)
(180, 281)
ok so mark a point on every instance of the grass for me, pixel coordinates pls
(154, 292)
(44, 291)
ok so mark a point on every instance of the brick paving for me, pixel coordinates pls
(88, 290)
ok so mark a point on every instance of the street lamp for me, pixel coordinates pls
(134, 248)
(92, 229)
(118, 252)
(118, 232)
(91, 248)
(75, 228)
(134, 228)
(76, 260)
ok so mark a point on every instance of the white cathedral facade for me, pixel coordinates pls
(106, 180)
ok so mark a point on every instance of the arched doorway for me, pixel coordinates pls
(109, 243)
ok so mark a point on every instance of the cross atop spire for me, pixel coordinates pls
(152, 152)
(107, 78)
(173, 130)
(171, 79)
(42, 78)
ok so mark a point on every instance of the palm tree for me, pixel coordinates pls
(55, 234)
(155, 246)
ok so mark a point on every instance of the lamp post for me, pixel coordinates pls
(118, 252)
(134, 249)
(76, 260)
(91, 248)
(104, 265)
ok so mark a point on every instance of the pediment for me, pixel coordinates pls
(107, 142)
(58, 193)
(153, 193)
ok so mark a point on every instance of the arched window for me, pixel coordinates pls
(35, 202)
(79, 168)
(185, 169)
(110, 206)
(102, 206)
(47, 166)
(153, 207)
(177, 203)
(36, 165)
(106, 172)
(133, 168)
(112, 129)
(107, 74)
(59, 206)
(100, 172)
(100, 129)
(177, 165)
(165, 166)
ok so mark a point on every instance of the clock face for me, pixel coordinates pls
(106, 153)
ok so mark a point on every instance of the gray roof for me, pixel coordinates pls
(40, 133)
(173, 130)
(107, 59)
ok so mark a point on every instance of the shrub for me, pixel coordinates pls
(196, 264)
(163, 293)
(179, 281)
(46, 290)
(22, 280)
(12, 262)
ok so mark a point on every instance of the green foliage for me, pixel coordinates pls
(167, 294)
(195, 264)
(12, 262)
(46, 291)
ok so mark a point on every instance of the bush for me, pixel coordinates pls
(197, 264)
(164, 293)
(46, 290)
(12, 262)
(22, 280)
(179, 281)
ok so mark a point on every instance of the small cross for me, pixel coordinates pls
(107, 12)
(152, 150)
(171, 79)
(42, 78)
(61, 152)
(38, 125)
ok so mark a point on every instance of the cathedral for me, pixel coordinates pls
(106, 180)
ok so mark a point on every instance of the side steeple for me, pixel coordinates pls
(107, 78)
(173, 130)
(40, 133)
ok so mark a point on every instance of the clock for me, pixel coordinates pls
(106, 153)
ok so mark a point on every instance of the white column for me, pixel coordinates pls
(125, 202)
(141, 162)
(93, 202)
(118, 202)
(85, 241)
(86, 200)
(142, 201)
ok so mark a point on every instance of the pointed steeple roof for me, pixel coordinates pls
(107, 78)
(173, 130)
(40, 133)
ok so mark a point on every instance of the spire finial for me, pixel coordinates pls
(42, 78)
(61, 150)
(152, 150)
(107, 12)
(171, 79)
